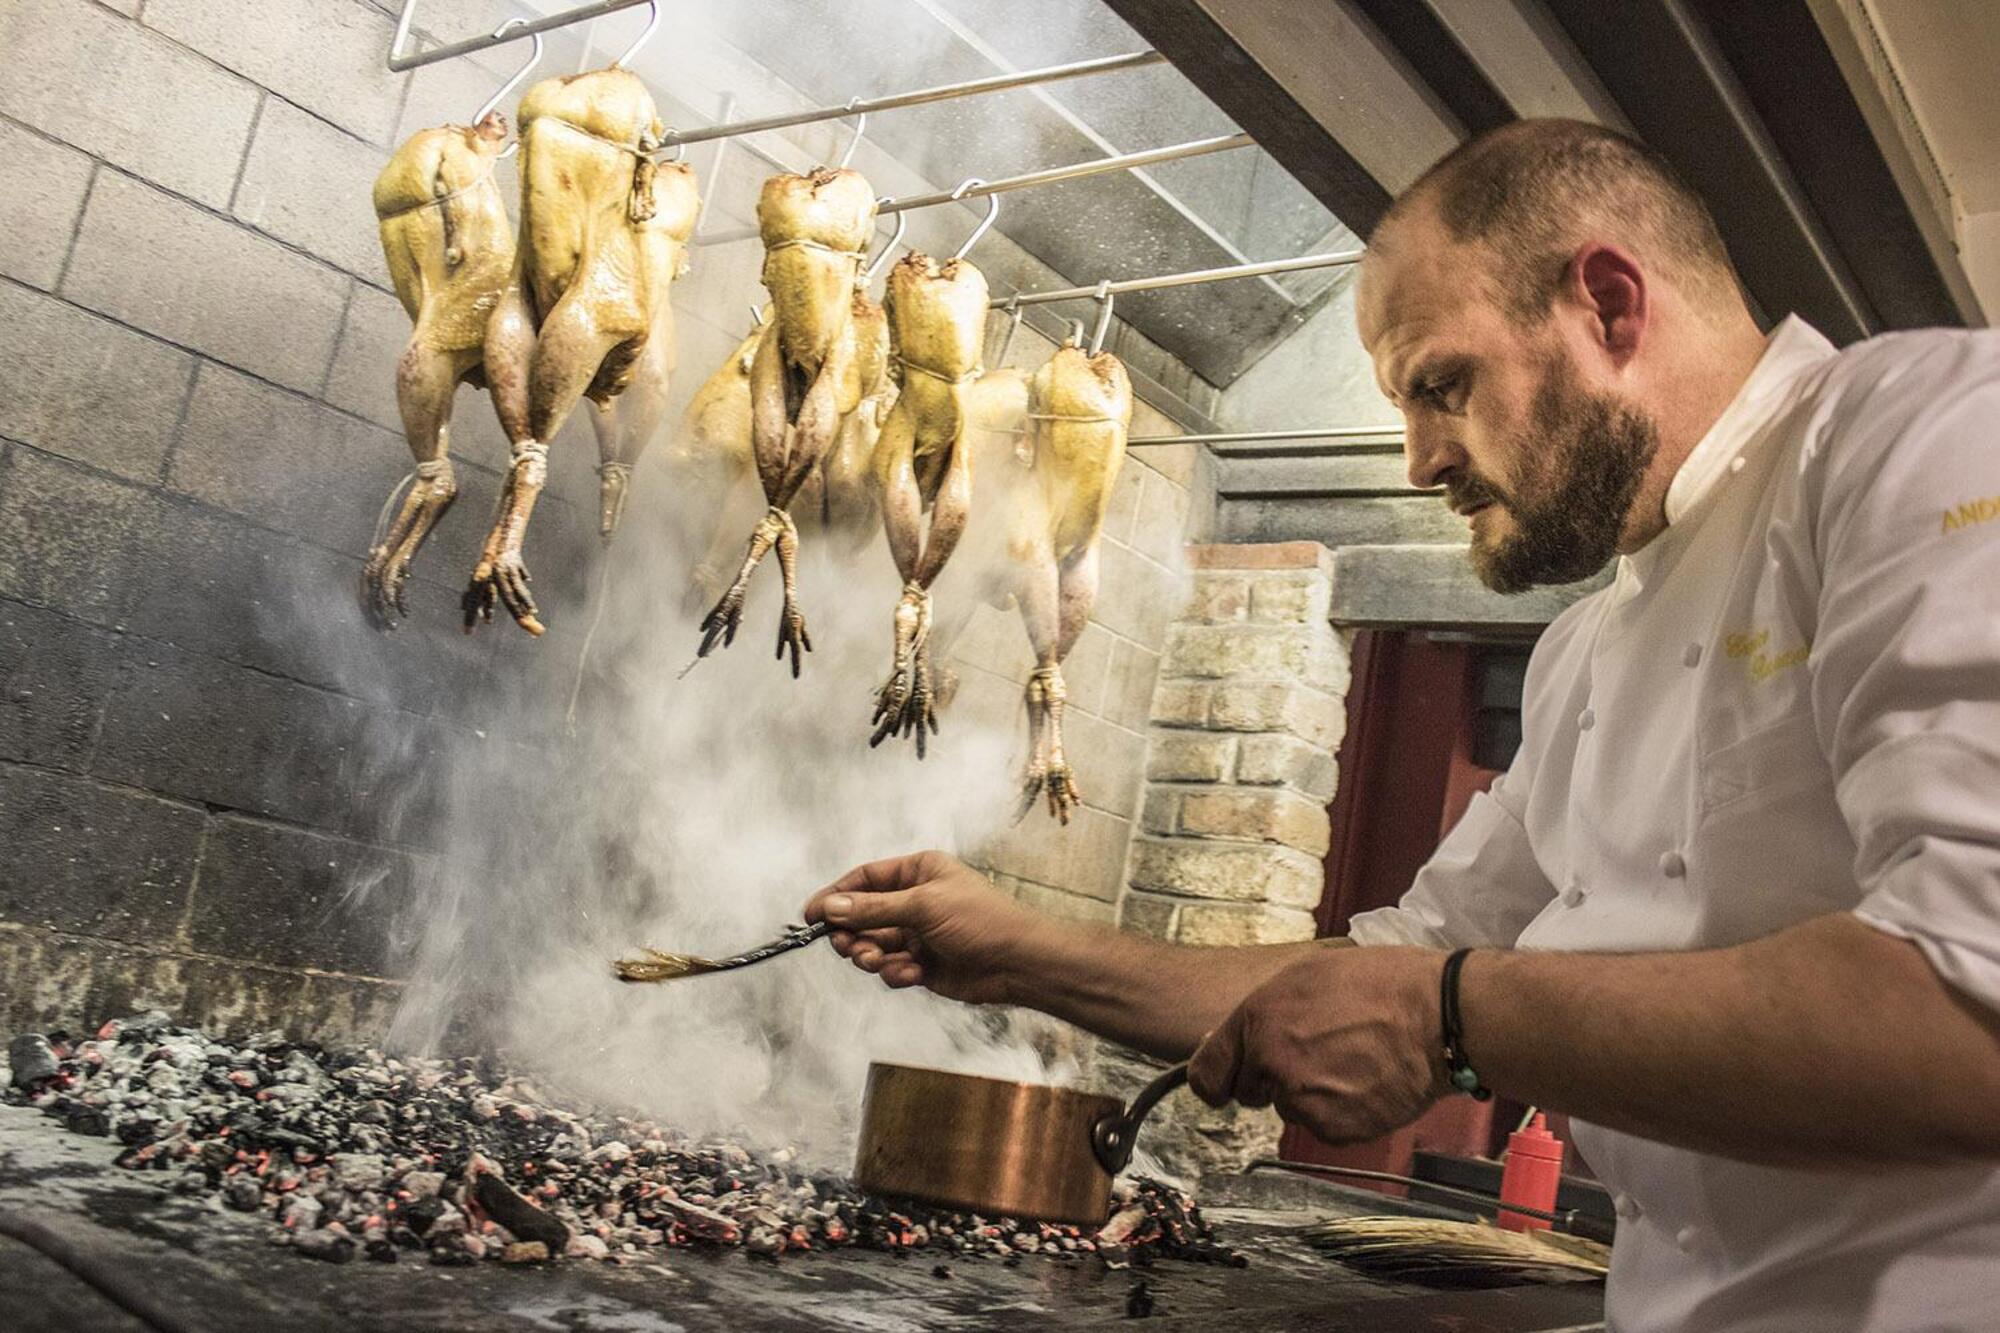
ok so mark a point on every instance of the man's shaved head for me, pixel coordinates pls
(1527, 193)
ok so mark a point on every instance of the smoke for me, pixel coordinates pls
(696, 812)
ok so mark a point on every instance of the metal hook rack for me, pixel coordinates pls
(860, 128)
(941, 93)
(1271, 436)
(985, 223)
(1101, 290)
(534, 59)
(895, 239)
(1096, 166)
(1105, 298)
(652, 26)
(401, 60)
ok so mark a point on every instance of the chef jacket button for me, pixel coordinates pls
(1586, 720)
(1573, 895)
(1686, 1237)
(1673, 865)
(1691, 655)
(1626, 1207)
(1736, 463)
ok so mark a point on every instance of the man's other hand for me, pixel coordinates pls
(1345, 1042)
(928, 920)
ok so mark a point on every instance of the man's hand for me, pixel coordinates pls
(1345, 1042)
(930, 920)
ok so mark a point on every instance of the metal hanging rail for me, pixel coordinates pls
(1096, 166)
(1073, 171)
(1334, 259)
(942, 93)
(400, 61)
(1263, 436)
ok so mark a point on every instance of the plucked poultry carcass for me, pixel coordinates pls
(713, 456)
(1079, 414)
(937, 318)
(803, 376)
(449, 248)
(1049, 449)
(604, 232)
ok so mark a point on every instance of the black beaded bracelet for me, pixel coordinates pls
(1462, 1075)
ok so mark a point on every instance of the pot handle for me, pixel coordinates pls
(1113, 1137)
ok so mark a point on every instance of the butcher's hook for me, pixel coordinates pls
(860, 128)
(1013, 309)
(1104, 299)
(992, 212)
(534, 58)
(652, 26)
(895, 238)
(1075, 338)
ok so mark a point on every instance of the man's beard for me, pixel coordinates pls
(1582, 458)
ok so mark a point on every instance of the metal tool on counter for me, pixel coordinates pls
(986, 1145)
(658, 966)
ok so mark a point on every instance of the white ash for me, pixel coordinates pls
(361, 1154)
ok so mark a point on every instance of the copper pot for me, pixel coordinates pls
(985, 1145)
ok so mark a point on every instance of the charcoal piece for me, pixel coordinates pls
(88, 1120)
(451, 1256)
(243, 1193)
(1139, 1300)
(510, 1210)
(333, 1247)
(137, 1131)
(381, 1251)
(32, 1058)
(420, 1213)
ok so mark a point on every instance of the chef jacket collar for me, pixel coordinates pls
(1790, 350)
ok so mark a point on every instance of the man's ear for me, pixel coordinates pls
(1609, 283)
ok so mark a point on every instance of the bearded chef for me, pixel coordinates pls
(1736, 905)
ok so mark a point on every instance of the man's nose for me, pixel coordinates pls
(1430, 453)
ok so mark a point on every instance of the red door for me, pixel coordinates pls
(1429, 724)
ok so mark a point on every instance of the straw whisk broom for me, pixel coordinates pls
(1468, 1254)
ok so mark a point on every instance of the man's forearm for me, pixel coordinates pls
(1827, 1042)
(1154, 996)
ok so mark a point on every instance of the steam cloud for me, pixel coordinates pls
(696, 814)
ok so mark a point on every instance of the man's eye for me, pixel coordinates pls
(1441, 394)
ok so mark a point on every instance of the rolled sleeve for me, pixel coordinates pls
(1481, 887)
(1906, 659)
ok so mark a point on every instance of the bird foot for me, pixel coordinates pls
(719, 626)
(906, 705)
(792, 634)
(387, 572)
(792, 622)
(502, 579)
(382, 580)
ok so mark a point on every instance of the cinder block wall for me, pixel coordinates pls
(202, 748)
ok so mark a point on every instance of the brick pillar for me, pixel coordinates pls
(1246, 718)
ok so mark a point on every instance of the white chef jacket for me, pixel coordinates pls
(1786, 704)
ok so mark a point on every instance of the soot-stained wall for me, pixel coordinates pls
(216, 782)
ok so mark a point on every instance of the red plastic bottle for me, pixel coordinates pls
(1532, 1175)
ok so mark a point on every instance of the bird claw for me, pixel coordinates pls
(719, 626)
(792, 634)
(502, 579)
(906, 705)
(382, 583)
